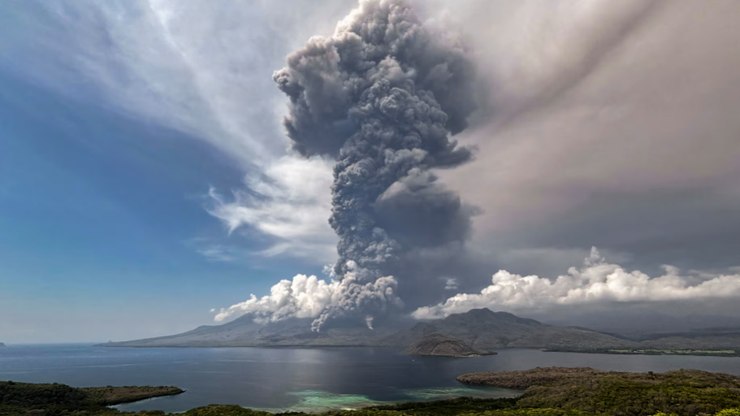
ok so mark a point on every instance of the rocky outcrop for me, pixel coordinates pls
(443, 346)
(521, 380)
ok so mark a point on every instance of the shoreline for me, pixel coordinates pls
(548, 390)
(690, 352)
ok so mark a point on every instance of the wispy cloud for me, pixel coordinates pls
(289, 202)
(218, 253)
(200, 67)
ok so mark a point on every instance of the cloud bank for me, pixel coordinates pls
(301, 297)
(596, 281)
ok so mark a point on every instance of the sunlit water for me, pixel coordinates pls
(300, 379)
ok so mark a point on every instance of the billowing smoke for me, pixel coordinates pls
(382, 96)
(301, 297)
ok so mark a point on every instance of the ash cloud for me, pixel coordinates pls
(381, 63)
(612, 127)
(382, 96)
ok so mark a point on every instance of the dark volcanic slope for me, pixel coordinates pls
(484, 330)
(479, 330)
(715, 338)
(243, 332)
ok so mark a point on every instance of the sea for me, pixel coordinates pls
(301, 379)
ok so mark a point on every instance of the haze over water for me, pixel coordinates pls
(300, 379)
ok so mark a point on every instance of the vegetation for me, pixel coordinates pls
(683, 392)
(547, 392)
(58, 399)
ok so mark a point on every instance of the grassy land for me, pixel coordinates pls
(683, 392)
(547, 392)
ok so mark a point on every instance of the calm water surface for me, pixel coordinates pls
(299, 379)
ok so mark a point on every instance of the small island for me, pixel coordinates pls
(440, 345)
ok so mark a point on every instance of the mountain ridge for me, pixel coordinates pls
(478, 331)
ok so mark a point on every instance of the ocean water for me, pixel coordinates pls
(305, 379)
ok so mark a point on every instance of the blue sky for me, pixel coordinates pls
(103, 216)
(146, 178)
(105, 230)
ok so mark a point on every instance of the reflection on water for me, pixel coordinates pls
(295, 378)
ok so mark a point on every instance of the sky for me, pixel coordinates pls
(148, 184)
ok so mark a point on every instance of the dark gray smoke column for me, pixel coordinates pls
(382, 96)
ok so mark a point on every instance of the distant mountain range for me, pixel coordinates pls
(484, 330)
(244, 332)
(477, 331)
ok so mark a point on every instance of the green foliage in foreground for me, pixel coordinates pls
(20, 399)
(684, 392)
(218, 410)
(679, 393)
(447, 407)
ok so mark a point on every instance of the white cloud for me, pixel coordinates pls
(311, 297)
(301, 297)
(596, 281)
(289, 202)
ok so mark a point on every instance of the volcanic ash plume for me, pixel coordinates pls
(382, 96)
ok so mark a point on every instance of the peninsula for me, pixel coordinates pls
(19, 399)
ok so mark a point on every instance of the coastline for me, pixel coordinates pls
(544, 391)
(612, 351)
(655, 351)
